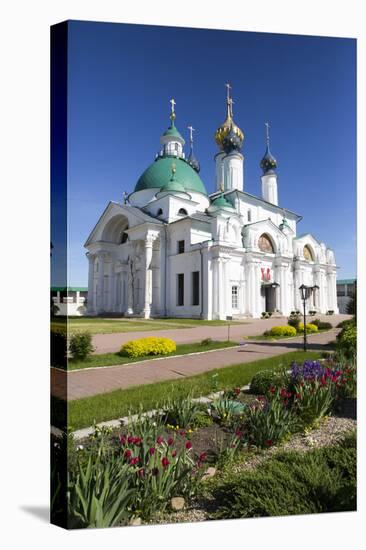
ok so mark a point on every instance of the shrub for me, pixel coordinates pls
(310, 328)
(283, 331)
(268, 422)
(347, 341)
(294, 320)
(348, 381)
(321, 480)
(206, 342)
(99, 494)
(351, 308)
(265, 379)
(151, 345)
(225, 410)
(181, 412)
(315, 387)
(80, 345)
(322, 325)
(346, 322)
(58, 348)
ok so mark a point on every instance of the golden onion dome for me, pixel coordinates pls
(228, 126)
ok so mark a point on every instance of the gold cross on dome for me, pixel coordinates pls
(228, 88)
(173, 103)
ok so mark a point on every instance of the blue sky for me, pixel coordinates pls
(121, 78)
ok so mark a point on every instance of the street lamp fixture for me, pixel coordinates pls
(305, 293)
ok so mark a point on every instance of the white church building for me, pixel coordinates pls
(174, 250)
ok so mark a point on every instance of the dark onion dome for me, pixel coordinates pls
(232, 141)
(192, 161)
(268, 162)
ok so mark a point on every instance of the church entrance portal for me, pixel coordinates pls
(268, 293)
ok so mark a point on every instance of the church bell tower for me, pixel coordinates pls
(269, 177)
(229, 160)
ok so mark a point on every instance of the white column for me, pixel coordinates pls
(206, 286)
(233, 171)
(215, 288)
(129, 291)
(297, 284)
(250, 288)
(112, 285)
(91, 304)
(162, 272)
(148, 278)
(219, 170)
(269, 188)
(100, 282)
(221, 289)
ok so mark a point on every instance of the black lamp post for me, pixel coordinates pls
(305, 292)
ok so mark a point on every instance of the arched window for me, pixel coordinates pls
(249, 215)
(182, 212)
(159, 212)
(124, 237)
(265, 244)
(308, 254)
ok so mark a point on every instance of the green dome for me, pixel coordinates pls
(173, 186)
(173, 132)
(221, 202)
(158, 175)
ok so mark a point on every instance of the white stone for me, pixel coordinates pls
(210, 472)
(177, 503)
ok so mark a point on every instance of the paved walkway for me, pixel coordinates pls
(85, 383)
(109, 343)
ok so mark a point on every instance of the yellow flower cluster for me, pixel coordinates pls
(309, 328)
(177, 428)
(286, 330)
(150, 345)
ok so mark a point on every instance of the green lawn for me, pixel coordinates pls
(97, 325)
(109, 359)
(107, 406)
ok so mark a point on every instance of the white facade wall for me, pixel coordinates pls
(140, 277)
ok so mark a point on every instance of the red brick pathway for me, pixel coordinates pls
(85, 383)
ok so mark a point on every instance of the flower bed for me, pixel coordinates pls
(136, 471)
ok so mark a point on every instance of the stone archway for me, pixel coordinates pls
(115, 230)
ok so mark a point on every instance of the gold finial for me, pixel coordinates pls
(174, 169)
(228, 88)
(222, 188)
(229, 123)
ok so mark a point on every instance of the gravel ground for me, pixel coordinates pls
(331, 430)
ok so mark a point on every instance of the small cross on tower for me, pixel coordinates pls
(267, 131)
(228, 88)
(173, 104)
(191, 130)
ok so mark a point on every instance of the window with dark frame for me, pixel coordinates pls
(180, 289)
(234, 297)
(195, 288)
(180, 247)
